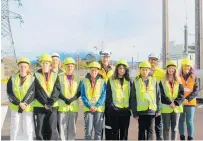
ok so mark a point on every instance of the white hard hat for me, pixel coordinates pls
(105, 53)
(153, 55)
(55, 55)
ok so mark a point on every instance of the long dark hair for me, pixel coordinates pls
(126, 75)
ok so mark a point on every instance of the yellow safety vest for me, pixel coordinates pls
(159, 74)
(93, 95)
(68, 92)
(146, 96)
(21, 91)
(167, 90)
(105, 75)
(188, 88)
(120, 95)
(49, 89)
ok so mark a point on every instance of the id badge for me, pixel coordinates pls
(187, 90)
(20, 88)
(147, 96)
(93, 100)
(122, 94)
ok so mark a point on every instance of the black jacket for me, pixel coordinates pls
(41, 95)
(29, 97)
(133, 102)
(110, 108)
(178, 101)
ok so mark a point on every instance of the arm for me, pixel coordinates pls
(55, 93)
(179, 100)
(109, 100)
(30, 96)
(84, 98)
(164, 98)
(194, 92)
(133, 101)
(158, 99)
(102, 98)
(78, 94)
(11, 97)
(40, 94)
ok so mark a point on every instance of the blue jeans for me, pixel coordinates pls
(188, 116)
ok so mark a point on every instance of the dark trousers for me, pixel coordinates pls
(108, 130)
(145, 127)
(45, 124)
(158, 127)
(120, 126)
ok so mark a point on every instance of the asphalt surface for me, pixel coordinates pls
(133, 130)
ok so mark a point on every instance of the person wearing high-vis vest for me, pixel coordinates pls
(106, 71)
(117, 102)
(47, 90)
(93, 94)
(189, 82)
(56, 64)
(68, 101)
(145, 101)
(172, 97)
(159, 74)
(21, 93)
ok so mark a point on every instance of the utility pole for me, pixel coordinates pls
(165, 40)
(199, 38)
(198, 34)
(186, 39)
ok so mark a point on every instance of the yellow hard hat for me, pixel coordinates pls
(69, 61)
(171, 63)
(45, 58)
(23, 60)
(145, 64)
(94, 64)
(186, 61)
(122, 62)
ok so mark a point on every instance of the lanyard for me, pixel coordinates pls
(146, 85)
(22, 80)
(70, 81)
(47, 80)
(171, 87)
(93, 87)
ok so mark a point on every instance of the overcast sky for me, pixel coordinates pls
(79, 25)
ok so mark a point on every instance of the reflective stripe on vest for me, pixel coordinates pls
(120, 97)
(42, 81)
(105, 75)
(21, 91)
(68, 93)
(167, 90)
(146, 97)
(188, 88)
(93, 97)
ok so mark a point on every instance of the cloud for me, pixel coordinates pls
(71, 26)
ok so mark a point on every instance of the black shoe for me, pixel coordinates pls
(182, 137)
(189, 138)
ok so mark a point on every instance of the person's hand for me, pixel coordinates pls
(172, 105)
(92, 109)
(186, 101)
(137, 117)
(95, 109)
(46, 107)
(23, 106)
(158, 114)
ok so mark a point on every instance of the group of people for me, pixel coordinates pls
(48, 100)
